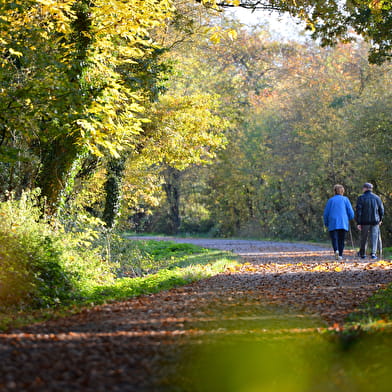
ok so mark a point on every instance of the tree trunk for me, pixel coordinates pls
(60, 154)
(172, 189)
(57, 161)
(114, 176)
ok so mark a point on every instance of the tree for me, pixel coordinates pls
(185, 130)
(295, 112)
(70, 79)
(239, 70)
(113, 185)
(333, 20)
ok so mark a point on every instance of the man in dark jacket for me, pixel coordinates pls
(369, 214)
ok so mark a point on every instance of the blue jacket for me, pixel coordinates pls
(338, 212)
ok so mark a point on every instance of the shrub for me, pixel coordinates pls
(31, 262)
(41, 264)
(86, 245)
(75, 259)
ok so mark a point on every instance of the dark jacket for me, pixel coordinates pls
(370, 209)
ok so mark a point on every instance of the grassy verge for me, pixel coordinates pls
(321, 243)
(180, 264)
(166, 265)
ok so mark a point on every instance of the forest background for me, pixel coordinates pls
(169, 117)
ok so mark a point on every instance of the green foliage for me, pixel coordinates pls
(64, 90)
(115, 169)
(41, 264)
(54, 263)
(33, 270)
(302, 119)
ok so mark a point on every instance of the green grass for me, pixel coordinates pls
(163, 250)
(375, 313)
(387, 253)
(173, 265)
(321, 242)
(165, 279)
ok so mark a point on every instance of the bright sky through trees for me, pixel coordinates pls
(282, 26)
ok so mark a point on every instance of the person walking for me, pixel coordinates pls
(369, 215)
(337, 214)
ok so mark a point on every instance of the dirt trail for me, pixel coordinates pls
(133, 345)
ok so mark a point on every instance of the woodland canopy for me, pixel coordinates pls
(184, 120)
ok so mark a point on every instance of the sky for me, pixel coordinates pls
(282, 25)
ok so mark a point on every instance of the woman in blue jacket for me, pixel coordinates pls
(337, 214)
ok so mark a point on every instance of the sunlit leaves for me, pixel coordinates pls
(186, 130)
(47, 64)
(331, 21)
(217, 34)
(65, 71)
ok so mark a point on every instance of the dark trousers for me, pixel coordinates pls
(337, 238)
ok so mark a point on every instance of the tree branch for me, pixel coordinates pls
(252, 5)
(3, 134)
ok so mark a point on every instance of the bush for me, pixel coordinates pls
(40, 263)
(32, 267)
(87, 249)
(190, 225)
(76, 260)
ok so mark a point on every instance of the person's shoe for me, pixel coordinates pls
(336, 255)
(340, 257)
(373, 256)
(361, 256)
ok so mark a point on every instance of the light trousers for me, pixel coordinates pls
(372, 232)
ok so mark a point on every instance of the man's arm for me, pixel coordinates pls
(349, 209)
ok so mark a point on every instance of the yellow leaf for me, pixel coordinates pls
(320, 268)
(376, 5)
(15, 52)
(215, 38)
(232, 34)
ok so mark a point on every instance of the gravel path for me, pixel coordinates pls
(283, 289)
